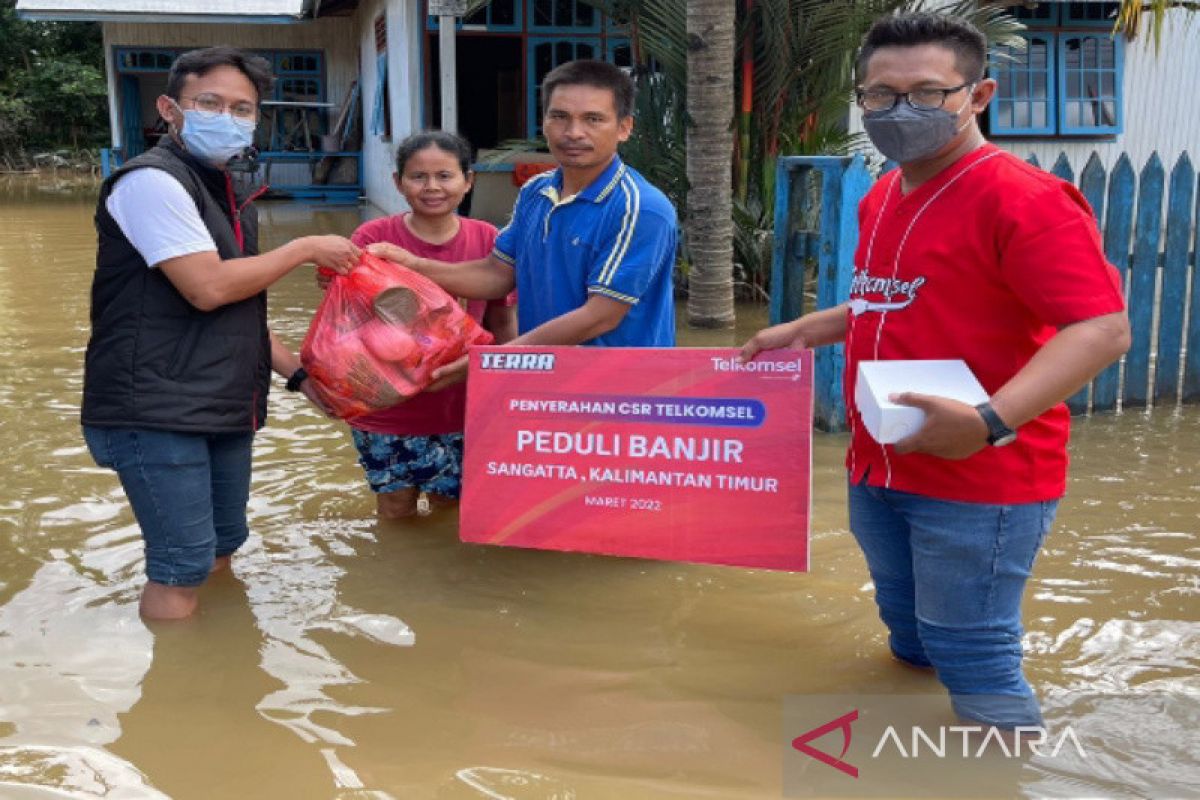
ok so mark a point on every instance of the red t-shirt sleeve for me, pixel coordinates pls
(370, 232)
(1051, 256)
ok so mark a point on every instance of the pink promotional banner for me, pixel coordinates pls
(676, 454)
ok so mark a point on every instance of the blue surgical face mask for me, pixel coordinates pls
(215, 138)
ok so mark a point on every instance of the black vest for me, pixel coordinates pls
(156, 361)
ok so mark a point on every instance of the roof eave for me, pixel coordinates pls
(114, 16)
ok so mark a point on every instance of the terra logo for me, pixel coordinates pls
(521, 362)
(801, 743)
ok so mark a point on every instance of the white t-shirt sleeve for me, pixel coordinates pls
(158, 216)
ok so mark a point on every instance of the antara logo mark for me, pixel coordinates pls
(801, 743)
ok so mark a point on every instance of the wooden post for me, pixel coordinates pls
(1143, 273)
(1118, 228)
(1173, 301)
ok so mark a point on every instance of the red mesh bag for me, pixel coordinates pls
(379, 334)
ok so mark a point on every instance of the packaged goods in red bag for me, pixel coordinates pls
(379, 334)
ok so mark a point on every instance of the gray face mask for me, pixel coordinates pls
(903, 133)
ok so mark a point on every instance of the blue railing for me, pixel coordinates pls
(314, 182)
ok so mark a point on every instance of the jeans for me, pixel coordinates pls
(188, 492)
(948, 582)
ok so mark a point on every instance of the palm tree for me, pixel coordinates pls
(709, 226)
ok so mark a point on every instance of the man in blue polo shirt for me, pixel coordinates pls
(591, 244)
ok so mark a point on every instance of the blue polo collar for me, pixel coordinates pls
(595, 192)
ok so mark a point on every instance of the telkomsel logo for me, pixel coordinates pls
(518, 362)
(801, 743)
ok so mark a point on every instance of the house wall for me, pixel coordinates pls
(404, 82)
(1160, 114)
(334, 35)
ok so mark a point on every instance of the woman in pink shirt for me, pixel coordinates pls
(417, 446)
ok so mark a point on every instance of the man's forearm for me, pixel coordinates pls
(482, 279)
(283, 360)
(824, 327)
(208, 282)
(1063, 366)
(575, 327)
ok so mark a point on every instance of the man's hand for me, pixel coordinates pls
(952, 429)
(449, 374)
(394, 253)
(333, 252)
(788, 334)
(314, 396)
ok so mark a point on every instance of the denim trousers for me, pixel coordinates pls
(188, 492)
(948, 582)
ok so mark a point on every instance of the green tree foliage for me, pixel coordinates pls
(52, 87)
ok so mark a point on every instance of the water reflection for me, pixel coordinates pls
(534, 675)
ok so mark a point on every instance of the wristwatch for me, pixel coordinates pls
(999, 434)
(298, 377)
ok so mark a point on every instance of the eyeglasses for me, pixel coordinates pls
(921, 99)
(212, 105)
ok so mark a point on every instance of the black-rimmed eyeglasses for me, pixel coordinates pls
(922, 99)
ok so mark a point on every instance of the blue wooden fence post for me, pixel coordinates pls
(1143, 272)
(1191, 367)
(829, 411)
(1078, 402)
(1091, 184)
(843, 182)
(1118, 229)
(784, 305)
(843, 185)
(1173, 300)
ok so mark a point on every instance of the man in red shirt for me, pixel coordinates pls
(965, 252)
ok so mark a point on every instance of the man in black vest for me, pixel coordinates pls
(179, 362)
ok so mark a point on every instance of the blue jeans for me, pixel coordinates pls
(188, 492)
(948, 581)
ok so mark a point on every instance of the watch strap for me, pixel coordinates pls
(998, 430)
(298, 377)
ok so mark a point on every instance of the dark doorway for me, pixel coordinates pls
(491, 103)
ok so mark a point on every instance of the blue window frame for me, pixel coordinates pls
(619, 51)
(498, 16)
(551, 33)
(144, 59)
(1099, 15)
(1024, 101)
(1069, 80)
(1089, 83)
(544, 53)
(562, 16)
(1051, 14)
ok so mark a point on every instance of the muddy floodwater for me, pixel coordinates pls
(533, 674)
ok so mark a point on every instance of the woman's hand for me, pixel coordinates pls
(394, 253)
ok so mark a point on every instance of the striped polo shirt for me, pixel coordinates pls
(615, 238)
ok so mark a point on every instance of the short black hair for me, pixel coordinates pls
(926, 27)
(451, 143)
(200, 62)
(598, 74)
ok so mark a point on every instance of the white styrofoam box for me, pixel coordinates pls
(877, 380)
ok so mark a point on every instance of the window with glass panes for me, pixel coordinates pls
(551, 33)
(1067, 81)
